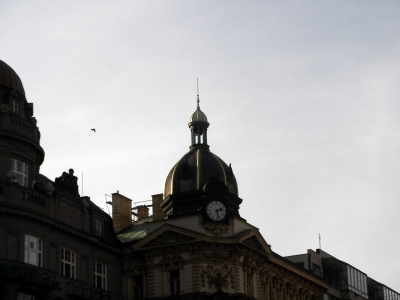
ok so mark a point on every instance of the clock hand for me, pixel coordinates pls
(217, 212)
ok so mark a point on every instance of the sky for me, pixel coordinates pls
(303, 99)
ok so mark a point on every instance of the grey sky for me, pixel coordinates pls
(303, 98)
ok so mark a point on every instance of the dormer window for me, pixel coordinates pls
(97, 227)
(14, 105)
(21, 170)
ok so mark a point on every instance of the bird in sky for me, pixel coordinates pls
(94, 130)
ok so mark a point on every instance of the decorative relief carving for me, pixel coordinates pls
(172, 261)
(134, 268)
(196, 251)
(49, 189)
(11, 176)
(265, 276)
(250, 261)
(169, 237)
(218, 274)
(134, 265)
(216, 228)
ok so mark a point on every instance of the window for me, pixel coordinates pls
(33, 250)
(317, 270)
(68, 263)
(100, 275)
(174, 282)
(14, 106)
(263, 290)
(97, 227)
(137, 288)
(21, 170)
(249, 284)
(25, 297)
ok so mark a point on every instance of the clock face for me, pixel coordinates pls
(216, 210)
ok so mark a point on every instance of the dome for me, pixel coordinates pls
(198, 116)
(10, 79)
(195, 169)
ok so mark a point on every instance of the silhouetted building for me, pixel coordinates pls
(54, 244)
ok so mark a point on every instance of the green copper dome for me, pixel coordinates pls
(198, 116)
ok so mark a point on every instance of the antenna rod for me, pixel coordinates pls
(197, 86)
(82, 184)
(319, 236)
(320, 257)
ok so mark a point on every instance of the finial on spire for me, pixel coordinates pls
(198, 98)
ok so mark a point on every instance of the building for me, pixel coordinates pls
(345, 281)
(196, 245)
(54, 244)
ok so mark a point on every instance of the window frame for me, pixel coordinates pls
(137, 289)
(22, 176)
(28, 250)
(174, 284)
(98, 227)
(68, 264)
(102, 275)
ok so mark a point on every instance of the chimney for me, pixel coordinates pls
(158, 213)
(142, 212)
(121, 211)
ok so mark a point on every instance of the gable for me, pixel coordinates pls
(256, 242)
(164, 236)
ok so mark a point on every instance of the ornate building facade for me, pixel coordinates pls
(54, 244)
(196, 245)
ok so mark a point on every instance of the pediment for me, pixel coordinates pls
(165, 236)
(255, 241)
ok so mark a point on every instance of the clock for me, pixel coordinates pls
(216, 210)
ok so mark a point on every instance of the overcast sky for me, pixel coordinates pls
(303, 98)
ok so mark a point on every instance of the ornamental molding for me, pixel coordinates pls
(265, 276)
(134, 265)
(216, 228)
(217, 255)
(172, 261)
(279, 282)
(222, 276)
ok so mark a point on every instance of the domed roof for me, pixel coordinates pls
(198, 116)
(195, 169)
(10, 79)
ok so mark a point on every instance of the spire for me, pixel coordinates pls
(198, 126)
(198, 98)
